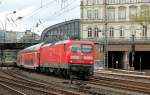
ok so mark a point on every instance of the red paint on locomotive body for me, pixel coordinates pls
(81, 56)
(61, 53)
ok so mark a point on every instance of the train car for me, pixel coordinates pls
(68, 57)
(29, 57)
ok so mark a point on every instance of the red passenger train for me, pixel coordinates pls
(63, 57)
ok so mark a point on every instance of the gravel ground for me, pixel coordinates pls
(65, 84)
(4, 91)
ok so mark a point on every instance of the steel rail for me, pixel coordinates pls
(40, 84)
(33, 89)
(121, 84)
(14, 90)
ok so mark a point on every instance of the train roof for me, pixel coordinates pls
(74, 41)
(43, 44)
(67, 41)
(32, 48)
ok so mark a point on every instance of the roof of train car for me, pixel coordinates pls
(74, 41)
(40, 45)
(32, 48)
(67, 41)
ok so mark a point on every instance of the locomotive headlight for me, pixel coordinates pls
(88, 57)
(74, 57)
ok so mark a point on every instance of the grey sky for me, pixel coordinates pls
(49, 12)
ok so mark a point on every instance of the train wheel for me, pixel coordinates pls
(38, 69)
(86, 77)
(65, 73)
(42, 69)
(56, 72)
(61, 72)
(51, 70)
(47, 70)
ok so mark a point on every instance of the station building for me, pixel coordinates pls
(62, 30)
(128, 41)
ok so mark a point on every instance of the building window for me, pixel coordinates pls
(89, 32)
(145, 11)
(111, 32)
(100, 11)
(122, 13)
(133, 11)
(144, 31)
(110, 1)
(121, 32)
(111, 13)
(96, 13)
(89, 14)
(89, 2)
(132, 1)
(101, 1)
(122, 1)
(133, 31)
(96, 32)
(145, 1)
(96, 2)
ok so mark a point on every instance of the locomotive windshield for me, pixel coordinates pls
(75, 47)
(79, 48)
(86, 48)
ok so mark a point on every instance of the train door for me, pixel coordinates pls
(22, 60)
(36, 59)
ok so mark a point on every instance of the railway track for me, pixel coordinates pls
(27, 90)
(120, 75)
(79, 88)
(98, 81)
(135, 86)
(32, 86)
(10, 90)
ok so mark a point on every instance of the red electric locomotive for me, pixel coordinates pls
(66, 57)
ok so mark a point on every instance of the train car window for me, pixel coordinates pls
(86, 48)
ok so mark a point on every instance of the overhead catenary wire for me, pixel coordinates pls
(62, 8)
(55, 14)
(41, 7)
(62, 11)
(47, 4)
(36, 11)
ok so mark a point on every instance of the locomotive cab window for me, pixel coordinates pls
(78, 48)
(75, 47)
(86, 48)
